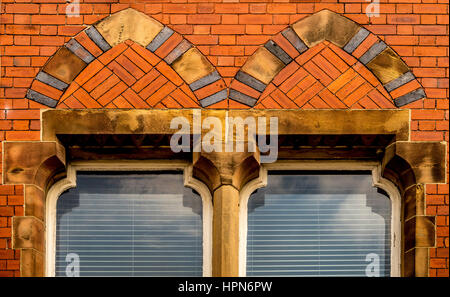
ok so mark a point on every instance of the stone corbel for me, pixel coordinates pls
(217, 169)
(33, 164)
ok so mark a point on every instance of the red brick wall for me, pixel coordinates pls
(227, 32)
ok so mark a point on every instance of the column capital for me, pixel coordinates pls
(226, 168)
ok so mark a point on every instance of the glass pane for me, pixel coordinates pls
(129, 224)
(329, 224)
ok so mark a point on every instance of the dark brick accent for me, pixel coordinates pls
(293, 38)
(410, 97)
(373, 51)
(356, 40)
(97, 38)
(242, 98)
(51, 81)
(250, 81)
(38, 97)
(179, 50)
(162, 36)
(400, 81)
(204, 81)
(278, 52)
(79, 51)
(217, 97)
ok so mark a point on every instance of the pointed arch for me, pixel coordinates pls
(127, 25)
(278, 54)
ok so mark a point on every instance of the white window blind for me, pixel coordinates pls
(329, 224)
(129, 224)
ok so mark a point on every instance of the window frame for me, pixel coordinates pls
(287, 165)
(129, 165)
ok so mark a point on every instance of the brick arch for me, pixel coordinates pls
(144, 35)
(128, 76)
(288, 51)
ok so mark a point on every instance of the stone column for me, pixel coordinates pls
(412, 165)
(34, 165)
(225, 174)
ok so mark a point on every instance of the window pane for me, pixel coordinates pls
(306, 224)
(130, 224)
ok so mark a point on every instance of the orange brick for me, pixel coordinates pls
(236, 105)
(219, 105)
(269, 89)
(293, 80)
(309, 54)
(348, 88)
(169, 45)
(21, 125)
(233, 8)
(203, 19)
(318, 73)
(326, 66)
(286, 72)
(145, 80)
(23, 135)
(318, 103)
(283, 100)
(405, 89)
(427, 114)
(338, 83)
(380, 100)
(132, 68)
(112, 93)
(95, 80)
(138, 60)
(255, 19)
(183, 99)
(168, 72)
(243, 88)
(112, 53)
(331, 100)
(365, 45)
(161, 93)
(146, 54)
(12, 114)
(71, 102)
(152, 87)
(122, 73)
(100, 89)
(46, 90)
(169, 102)
(357, 94)
(121, 102)
(88, 44)
(308, 94)
(134, 99)
(227, 50)
(86, 99)
(269, 103)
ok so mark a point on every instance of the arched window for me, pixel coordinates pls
(321, 223)
(129, 223)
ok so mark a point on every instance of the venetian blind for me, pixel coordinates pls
(328, 224)
(129, 224)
